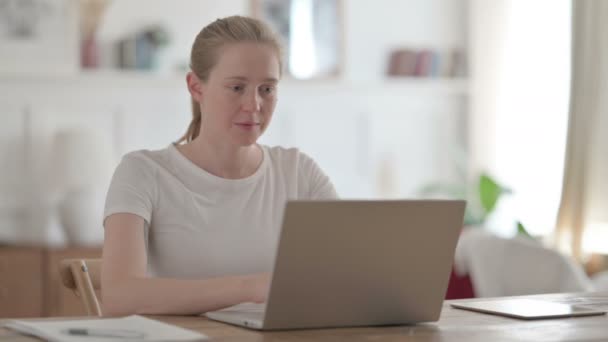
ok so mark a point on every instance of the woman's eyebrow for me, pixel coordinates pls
(238, 78)
(243, 78)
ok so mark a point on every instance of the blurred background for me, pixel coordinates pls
(393, 99)
(391, 96)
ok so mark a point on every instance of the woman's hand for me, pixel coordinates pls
(257, 287)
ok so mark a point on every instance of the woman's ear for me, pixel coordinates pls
(194, 86)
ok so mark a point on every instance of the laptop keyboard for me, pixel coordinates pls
(245, 311)
(248, 307)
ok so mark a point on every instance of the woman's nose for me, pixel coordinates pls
(252, 102)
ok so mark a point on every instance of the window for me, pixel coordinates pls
(531, 113)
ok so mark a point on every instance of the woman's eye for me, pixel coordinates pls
(268, 90)
(237, 88)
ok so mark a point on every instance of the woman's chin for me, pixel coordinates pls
(246, 141)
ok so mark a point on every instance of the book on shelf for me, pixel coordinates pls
(445, 63)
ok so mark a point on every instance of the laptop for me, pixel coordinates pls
(348, 263)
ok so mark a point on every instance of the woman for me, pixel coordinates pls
(193, 227)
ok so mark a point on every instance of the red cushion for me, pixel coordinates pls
(459, 287)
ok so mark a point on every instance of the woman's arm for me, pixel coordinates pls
(126, 289)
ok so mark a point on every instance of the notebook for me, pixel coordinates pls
(128, 328)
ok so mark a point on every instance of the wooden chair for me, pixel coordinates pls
(83, 277)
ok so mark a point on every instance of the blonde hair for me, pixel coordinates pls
(206, 48)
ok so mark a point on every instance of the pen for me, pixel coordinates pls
(116, 333)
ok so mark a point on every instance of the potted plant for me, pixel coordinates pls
(482, 195)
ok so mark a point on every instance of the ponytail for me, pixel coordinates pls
(195, 125)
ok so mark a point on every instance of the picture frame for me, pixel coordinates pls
(311, 32)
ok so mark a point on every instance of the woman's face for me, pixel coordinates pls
(239, 97)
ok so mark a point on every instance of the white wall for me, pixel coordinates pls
(371, 28)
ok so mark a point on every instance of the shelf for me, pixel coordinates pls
(116, 78)
(97, 76)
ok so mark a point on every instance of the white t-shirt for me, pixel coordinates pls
(198, 225)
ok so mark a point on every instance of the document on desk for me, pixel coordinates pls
(130, 328)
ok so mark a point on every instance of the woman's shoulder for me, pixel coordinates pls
(148, 159)
(285, 154)
(288, 156)
(313, 182)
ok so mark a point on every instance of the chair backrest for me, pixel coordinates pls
(83, 277)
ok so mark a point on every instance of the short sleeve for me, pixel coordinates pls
(132, 189)
(320, 186)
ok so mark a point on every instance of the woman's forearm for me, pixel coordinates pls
(174, 296)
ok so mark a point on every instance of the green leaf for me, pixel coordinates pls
(521, 230)
(489, 192)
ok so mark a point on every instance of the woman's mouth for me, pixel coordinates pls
(247, 125)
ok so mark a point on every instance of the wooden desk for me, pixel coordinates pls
(454, 325)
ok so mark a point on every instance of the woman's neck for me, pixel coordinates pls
(225, 161)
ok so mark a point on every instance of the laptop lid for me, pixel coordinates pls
(356, 263)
